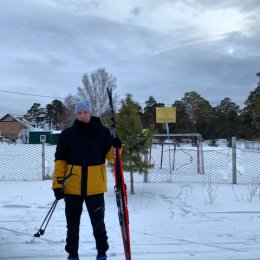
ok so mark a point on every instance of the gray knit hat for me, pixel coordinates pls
(83, 104)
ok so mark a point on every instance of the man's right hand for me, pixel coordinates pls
(58, 193)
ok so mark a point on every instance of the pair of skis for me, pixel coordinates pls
(120, 188)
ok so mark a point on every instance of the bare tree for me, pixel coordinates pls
(95, 89)
(254, 188)
(70, 102)
(209, 191)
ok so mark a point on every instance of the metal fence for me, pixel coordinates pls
(171, 163)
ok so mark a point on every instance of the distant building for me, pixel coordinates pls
(12, 125)
(36, 136)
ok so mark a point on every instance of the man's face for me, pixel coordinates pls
(83, 116)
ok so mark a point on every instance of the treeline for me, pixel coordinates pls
(195, 115)
(193, 112)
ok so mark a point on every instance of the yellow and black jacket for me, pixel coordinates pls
(80, 158)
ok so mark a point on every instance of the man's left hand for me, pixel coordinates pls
(116, 142)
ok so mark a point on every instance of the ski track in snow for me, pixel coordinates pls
(166, 220)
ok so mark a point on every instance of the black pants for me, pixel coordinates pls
(96, 210)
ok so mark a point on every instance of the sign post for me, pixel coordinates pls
(166, 115)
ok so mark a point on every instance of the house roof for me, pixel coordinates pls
(21, 120)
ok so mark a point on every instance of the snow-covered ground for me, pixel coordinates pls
(167, 221)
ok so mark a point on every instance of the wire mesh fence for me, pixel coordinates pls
(26, 161)
(170, 163)
(248, 165)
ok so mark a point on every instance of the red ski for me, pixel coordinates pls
(120, 188)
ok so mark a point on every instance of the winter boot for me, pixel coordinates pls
(73, 257)
(101, 258)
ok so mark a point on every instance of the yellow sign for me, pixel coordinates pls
(165, 114)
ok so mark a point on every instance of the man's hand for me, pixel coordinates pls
(116, 142)
(58, 193)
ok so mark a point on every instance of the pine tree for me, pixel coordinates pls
(56, 115)
(136, 143)
(200, 113)
(36, 114)
(249, 115)
(182, 124)
(227, 119)
(149, 115)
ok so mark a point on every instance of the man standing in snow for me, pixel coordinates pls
(80, 176)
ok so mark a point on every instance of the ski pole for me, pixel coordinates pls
(47, 218)
(41, 230)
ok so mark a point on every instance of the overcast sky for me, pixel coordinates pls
(159, 48)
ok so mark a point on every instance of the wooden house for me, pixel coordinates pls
(11, 125)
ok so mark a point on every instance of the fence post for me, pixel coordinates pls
(198, 153)
(202, 157)
(161, 156)
(43, 140)
(146, 169)
(234, 163)
(174, 153)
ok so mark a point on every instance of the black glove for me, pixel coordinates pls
(58, 193)
(116, 142)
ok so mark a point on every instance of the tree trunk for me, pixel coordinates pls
(132, 182)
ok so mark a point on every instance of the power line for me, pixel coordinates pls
(44, 96)
(37, 95)
(27, 94)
